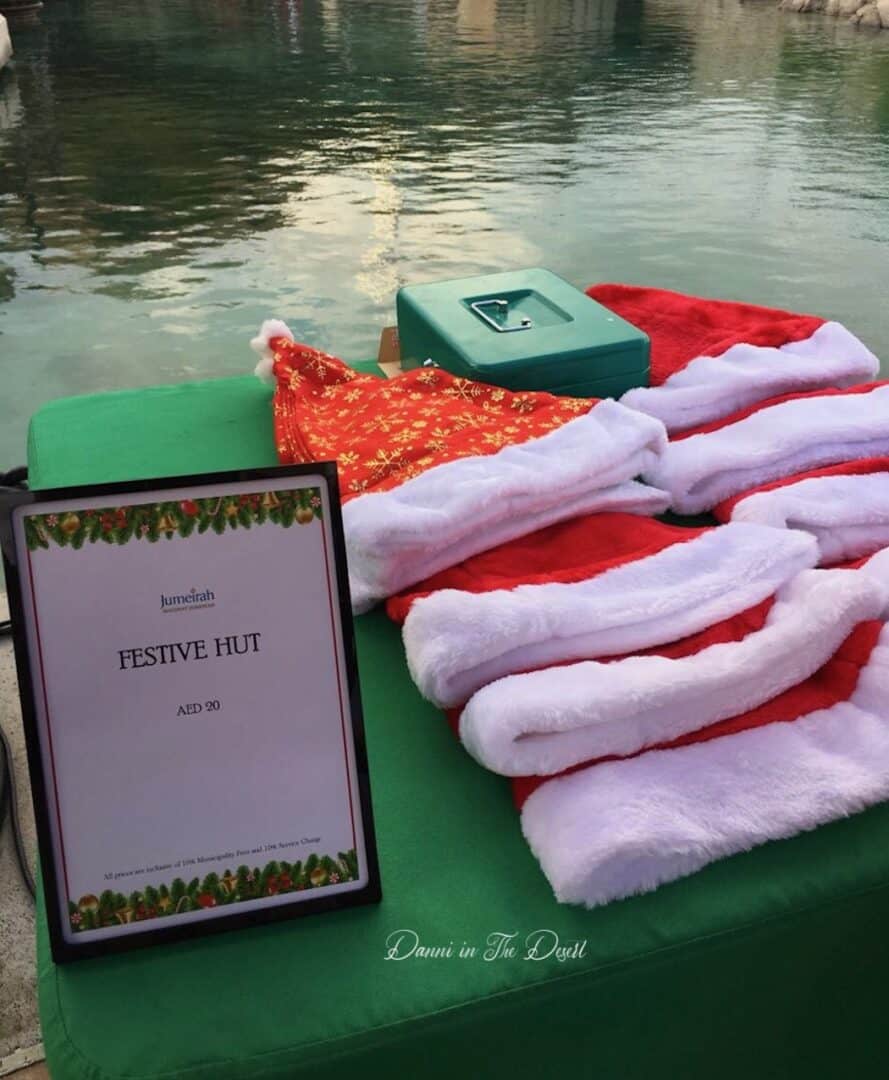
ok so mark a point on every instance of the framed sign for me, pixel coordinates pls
(191, 705)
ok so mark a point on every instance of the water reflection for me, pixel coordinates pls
(172, 173)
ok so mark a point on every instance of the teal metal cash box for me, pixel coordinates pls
(523, 330)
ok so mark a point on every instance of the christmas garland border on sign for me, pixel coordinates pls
(113, 908)
(164, 520)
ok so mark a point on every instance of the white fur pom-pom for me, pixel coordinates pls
(271, 328)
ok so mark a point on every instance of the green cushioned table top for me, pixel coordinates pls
(772, 963)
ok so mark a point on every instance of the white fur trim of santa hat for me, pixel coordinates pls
(457, 642)
(877, 567)
(626, 827)
(452, 511)
(709, 387)
(847, 515)
(543, 722)
(776, 441)
(271, 328)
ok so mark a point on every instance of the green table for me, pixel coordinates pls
(770, 964)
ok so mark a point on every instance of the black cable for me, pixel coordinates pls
(15, 478)
(4, 789)
(10, 797)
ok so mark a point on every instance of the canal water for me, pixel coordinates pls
(172, 173)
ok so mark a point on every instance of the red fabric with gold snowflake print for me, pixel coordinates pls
(385, 431)
(435, 468)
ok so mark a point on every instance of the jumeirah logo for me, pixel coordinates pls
(189, 601)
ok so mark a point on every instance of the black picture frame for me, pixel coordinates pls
(64, 951)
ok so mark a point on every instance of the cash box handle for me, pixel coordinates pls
(502, 307)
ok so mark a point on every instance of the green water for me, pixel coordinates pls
(174, 171)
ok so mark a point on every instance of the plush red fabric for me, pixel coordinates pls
(682, 327)
(573, 550)
(832, 683)
(723, 511)
(385, 431)
(742, 414)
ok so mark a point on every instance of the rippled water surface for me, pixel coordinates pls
(173, 172)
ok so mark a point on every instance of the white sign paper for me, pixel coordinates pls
(192, 703)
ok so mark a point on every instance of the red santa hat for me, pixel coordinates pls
(457, 642)
(776, 439)
(845, 507)
(817, 751)
(546, 721)
(627, 826)
(678, 813)
(710, 358)
(435, 468)
(571, 551)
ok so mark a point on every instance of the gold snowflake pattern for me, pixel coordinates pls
(392, 430)
(495, 438)
(465, 389)
(386, 462)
